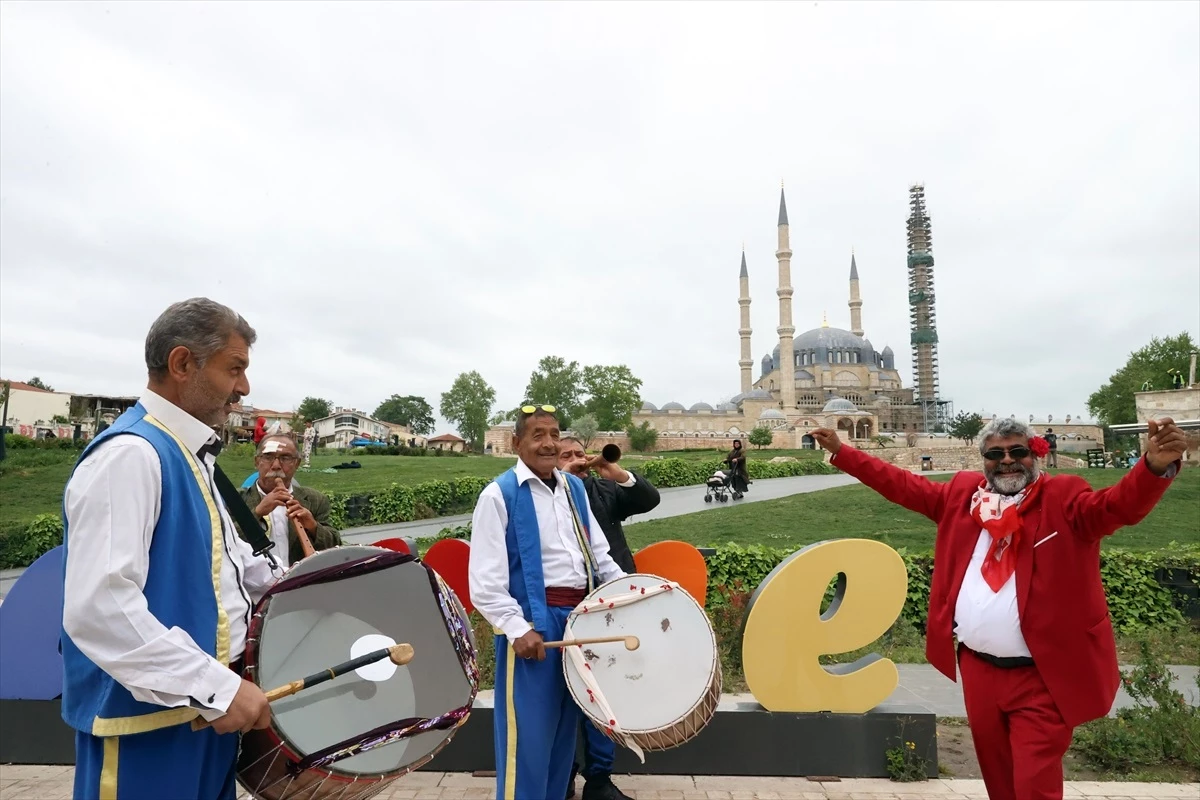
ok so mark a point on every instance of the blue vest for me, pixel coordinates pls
(525, 580)
(182, 587)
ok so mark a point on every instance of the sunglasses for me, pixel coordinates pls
(997, 453)
(531, 409)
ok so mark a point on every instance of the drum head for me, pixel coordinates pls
(312, 628)
(670, 673)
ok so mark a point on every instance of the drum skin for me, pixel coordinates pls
(302, 631)
(664, 692)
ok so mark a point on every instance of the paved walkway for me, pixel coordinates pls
(54, 783)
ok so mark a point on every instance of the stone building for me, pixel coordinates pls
(824, 377)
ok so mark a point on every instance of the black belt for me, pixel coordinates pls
(1003, 662)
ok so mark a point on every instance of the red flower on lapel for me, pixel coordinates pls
(1039, 446)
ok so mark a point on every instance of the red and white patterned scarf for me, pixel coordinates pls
(1000, 516)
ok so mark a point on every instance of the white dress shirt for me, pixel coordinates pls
(562, 559)
(278, 525)
(987, 621)
(112, 506)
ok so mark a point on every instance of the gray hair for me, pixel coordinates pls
(201, 325)
(1002, 428)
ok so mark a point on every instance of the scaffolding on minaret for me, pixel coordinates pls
(923, 316)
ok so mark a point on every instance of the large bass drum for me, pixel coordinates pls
(663, 693)
(352, 736)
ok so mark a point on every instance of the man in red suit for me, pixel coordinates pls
(1016, 580)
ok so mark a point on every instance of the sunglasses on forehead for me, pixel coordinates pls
(997, 453)
(530, 409)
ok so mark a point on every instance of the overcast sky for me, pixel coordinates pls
(395, 193)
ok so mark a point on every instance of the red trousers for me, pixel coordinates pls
(1020, 738)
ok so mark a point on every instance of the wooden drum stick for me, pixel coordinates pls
(631, 642)
(400, 654)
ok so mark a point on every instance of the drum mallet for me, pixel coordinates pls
(631, 642)
(400, 654)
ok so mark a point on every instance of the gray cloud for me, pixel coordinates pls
(397, 193)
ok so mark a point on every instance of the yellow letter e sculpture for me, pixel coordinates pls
(786, 632)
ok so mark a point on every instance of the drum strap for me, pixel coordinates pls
(575, 654)
(581, 536)
(241, 513)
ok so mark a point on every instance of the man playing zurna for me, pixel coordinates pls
(537, 550)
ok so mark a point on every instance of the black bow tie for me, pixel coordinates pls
(213, 447)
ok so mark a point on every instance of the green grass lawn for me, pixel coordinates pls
(32, 481)
(858, 512)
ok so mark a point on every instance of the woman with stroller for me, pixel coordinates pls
(739, 475)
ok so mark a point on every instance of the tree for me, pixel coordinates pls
(38, 383)
(314, 408)
(556, 383)
(966, 426)
(612, 395)
(586, 429)
(642, 438)
(408, 410)
(1113, 403)
(761, 437)
(467, 405)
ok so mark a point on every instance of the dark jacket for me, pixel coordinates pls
(613, 504)
(323, 538)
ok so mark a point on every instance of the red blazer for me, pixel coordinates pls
(1060, 599)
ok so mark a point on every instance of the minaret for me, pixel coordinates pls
(922, 316)
(855, 301)
(787, 356)
(746, 362)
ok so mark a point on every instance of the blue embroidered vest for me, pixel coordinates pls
(525, 579)
(182, 587)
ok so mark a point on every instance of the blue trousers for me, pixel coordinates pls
(598, 751)
(172, 762)
(536, 721)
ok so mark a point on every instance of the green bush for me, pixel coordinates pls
(21, 549)
(15, 441)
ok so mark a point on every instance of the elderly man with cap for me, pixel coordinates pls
(1016, 579)
(281, 503)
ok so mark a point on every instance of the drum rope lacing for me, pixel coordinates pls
(595, 695)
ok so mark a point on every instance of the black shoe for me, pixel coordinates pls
(602, 788)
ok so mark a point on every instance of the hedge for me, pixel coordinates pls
(408, 502)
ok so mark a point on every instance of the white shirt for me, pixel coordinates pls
(562, 558)
(112, 505)
(278, 525)
(987, 621)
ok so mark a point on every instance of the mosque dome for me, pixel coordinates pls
(701, 407)
(771, 413)
(649, 407)
(673, 406)
(839, 405)
(827, 339)
(757, 394)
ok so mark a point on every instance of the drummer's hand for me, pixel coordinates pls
(301, 515)
(530, 646)
(827, 439)
(275, 498)
(248, 711)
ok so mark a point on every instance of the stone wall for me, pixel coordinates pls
(1179, 405)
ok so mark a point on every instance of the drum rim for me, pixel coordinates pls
(250, 672)
(714, 675)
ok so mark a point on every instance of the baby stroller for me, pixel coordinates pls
(717, 486)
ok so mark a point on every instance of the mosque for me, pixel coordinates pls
(825, 377)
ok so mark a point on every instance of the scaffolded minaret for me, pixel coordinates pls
(855, 300)
(923, 319)
(787, 358)
(745, 362)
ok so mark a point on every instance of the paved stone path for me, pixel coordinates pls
(54, 783)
